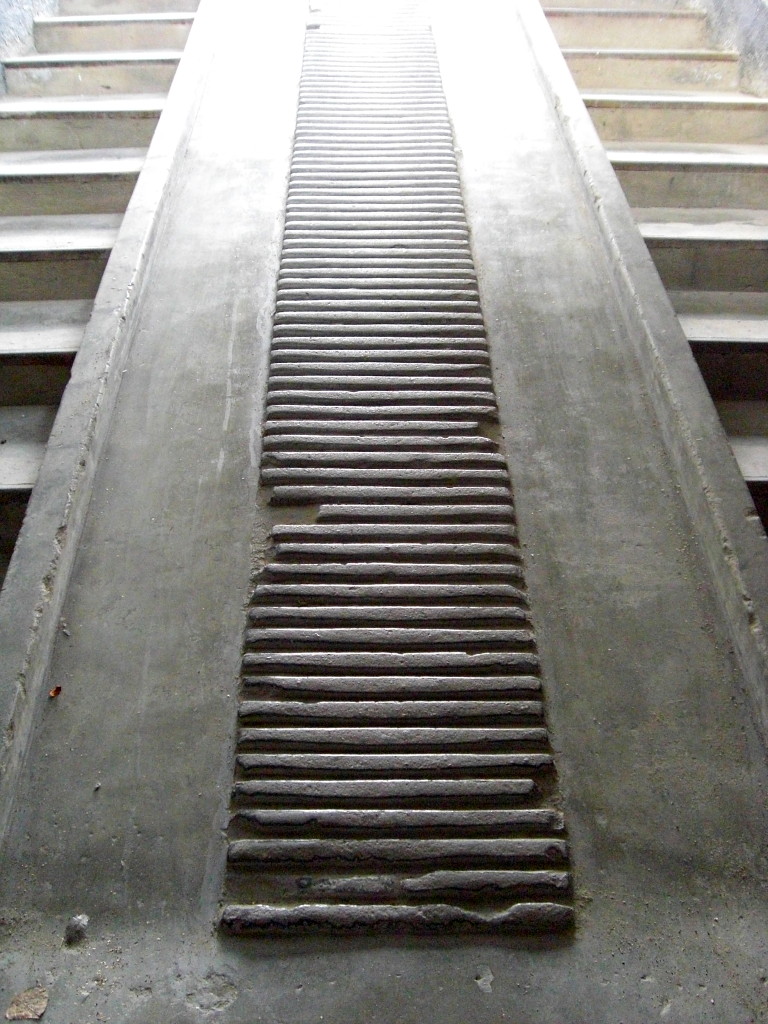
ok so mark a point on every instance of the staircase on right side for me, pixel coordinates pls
(690, 150)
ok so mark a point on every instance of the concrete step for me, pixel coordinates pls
(24, 431)
(717, 118)
(58, 123)
(91, 74)
(42, 329)
(60, 257)
(164, 30)
(594, 68)
(68, 181)
(721, 250)
(612, 27)
(81, 7)
(728, 334)
(726, 331)
(632, 5)
(746, 424)
(653, 175)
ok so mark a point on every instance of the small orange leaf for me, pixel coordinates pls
(54, 692)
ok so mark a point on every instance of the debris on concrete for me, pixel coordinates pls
(30, 1004)
(76, 929)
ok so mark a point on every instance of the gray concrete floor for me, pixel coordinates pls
(123, 800)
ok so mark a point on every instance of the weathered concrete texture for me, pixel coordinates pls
(743, 25)
(122, 804)
(16, 24)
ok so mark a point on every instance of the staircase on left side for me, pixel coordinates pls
(75, 124)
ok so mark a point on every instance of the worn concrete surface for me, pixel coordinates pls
(16, 18)
(122, 803)
(743, 25)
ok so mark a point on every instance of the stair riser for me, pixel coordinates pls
(601, 72)
(53, 278)
(76, 132)
(711, 266)
(735, 188)
(590, 30)
(72, 7)
(86, 38)
(82, 80)
(669, 124)
(59, 195)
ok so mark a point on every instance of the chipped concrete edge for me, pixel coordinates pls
(36, 583)
(713, 489)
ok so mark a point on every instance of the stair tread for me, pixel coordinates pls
(645, 5)
(98, 8)
(41, 341)
(703, 223)
(40, 61)
(694, 155)
(137, 18)
(725, 328)
(24, 431)
(82, 8)
(60, 162)
(141, 103)
(645, 53)
(627, 12)
(58, 233)
(629, 97)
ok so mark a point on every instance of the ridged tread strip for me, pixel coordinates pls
(393, 768)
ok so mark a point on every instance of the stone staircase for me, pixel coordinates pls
(75, 124)
(691, 152)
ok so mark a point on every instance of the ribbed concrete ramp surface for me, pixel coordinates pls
(393, 769)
